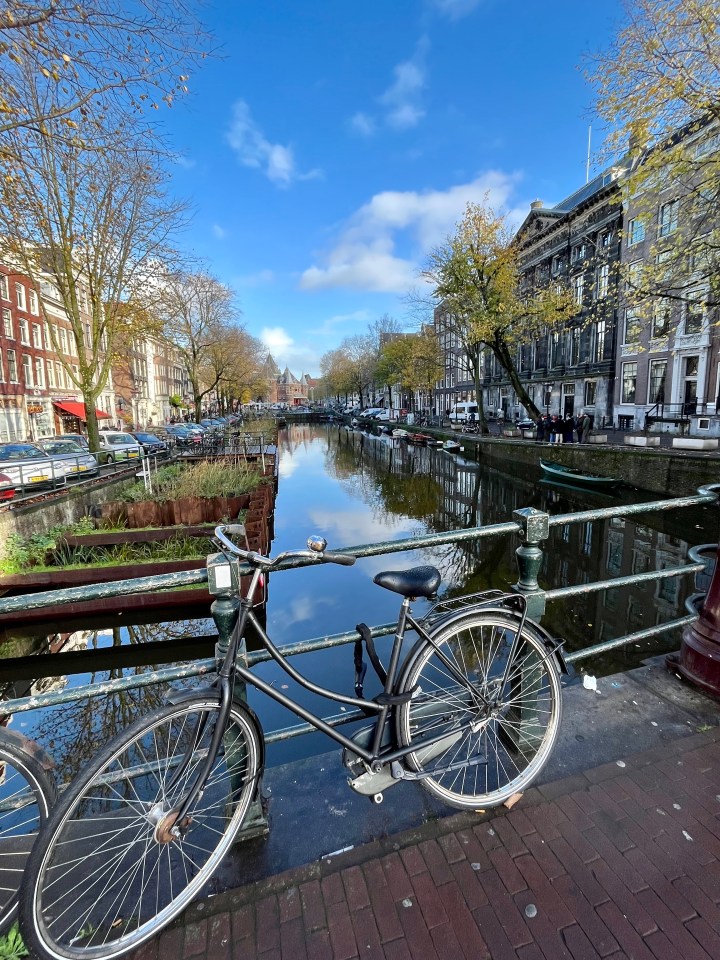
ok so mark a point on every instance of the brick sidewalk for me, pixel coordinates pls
(620, 862)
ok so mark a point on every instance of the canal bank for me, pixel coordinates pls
(614, 852)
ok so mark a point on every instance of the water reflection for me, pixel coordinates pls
(354, 487)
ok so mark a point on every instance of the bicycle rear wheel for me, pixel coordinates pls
(493, 738)
(27, 793)
(107, 873)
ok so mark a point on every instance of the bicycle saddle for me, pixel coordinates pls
(418, 582)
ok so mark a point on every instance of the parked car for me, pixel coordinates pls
(73, 458)
(115, 446)
(182, 436)
(152, 446)
(527, 423)
(28, 466)
(77, 437)
(382, 415)
(7, 488)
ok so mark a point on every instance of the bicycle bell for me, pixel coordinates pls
(318, 544)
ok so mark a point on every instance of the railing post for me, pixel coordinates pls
(699, 658)
(223, 584)
(535, 528)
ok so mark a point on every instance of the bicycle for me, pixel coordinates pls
(471, 714)
(27, 792)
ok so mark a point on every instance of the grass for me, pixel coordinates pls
(206, 479)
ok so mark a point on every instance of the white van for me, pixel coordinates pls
(460, 412)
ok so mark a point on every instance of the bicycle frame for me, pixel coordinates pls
(375, 757)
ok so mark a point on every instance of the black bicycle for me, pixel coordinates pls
(470, 713)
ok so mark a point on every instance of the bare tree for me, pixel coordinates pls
(93, 59)
(88, 230)
(198, 312)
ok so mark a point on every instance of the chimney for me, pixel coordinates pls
(536, 205)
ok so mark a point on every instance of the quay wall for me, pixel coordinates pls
(655, 470)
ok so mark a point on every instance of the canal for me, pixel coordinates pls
(355, 487)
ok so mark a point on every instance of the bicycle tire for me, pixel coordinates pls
(106, 875)
(506, 745)
(27, 793)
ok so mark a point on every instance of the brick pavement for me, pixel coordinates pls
(622, 861)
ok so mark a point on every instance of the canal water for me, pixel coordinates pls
(354, 487)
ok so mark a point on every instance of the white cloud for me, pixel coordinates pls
(329, 326)
(254, 150)
(402, 99)
(258, 279)
(362, 124)
(287, 352)
(186, 162)
(455, 9)
(365, 256)
(219, 231)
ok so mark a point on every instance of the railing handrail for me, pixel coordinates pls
(705, 494)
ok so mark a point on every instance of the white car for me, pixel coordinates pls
(29, 467)
(73, 459)
(116, 446)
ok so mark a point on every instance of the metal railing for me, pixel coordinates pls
(531, 525)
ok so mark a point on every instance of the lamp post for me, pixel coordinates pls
(548, 396)
(134, 393)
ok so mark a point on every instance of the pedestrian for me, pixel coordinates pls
(540, 424)
(568, 428)
(557, 430)
(578, 427)
(586, 425)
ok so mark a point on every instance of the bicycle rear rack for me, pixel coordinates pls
(486, 598)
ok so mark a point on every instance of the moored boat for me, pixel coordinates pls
(558, 471)
(400, 434)
(452, 446)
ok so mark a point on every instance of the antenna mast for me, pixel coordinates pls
(587, 165)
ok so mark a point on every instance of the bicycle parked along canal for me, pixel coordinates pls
(470, 713)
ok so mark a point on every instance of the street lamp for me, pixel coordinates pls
(548, 396)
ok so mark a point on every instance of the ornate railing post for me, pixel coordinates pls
(699, 658)
(224, 584)
(535, 528)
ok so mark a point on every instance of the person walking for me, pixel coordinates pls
(568, 428)
(556, 429)
(586, 425)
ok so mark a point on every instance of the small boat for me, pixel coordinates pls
(573, 475)
(452, 446)
(400, 434)
(421, 438)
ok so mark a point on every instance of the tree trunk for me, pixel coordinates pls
(482, 419)
(505, 360)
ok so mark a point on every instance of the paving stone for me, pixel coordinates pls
(356, 892)
(342, 936)
(367, 936)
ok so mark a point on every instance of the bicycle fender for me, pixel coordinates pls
(178, 695)
(552, 644)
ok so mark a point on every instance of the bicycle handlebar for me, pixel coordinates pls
(258, 560)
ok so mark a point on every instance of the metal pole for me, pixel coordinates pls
(699, 658)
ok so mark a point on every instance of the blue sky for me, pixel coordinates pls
(332, 144)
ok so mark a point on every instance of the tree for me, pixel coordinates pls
(93, 60)
(336, 373)
(658, 86)
(198, 313)
(412, 360)
(88, 230)
(475, 277)
(238, 359)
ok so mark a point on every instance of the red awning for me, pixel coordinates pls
(76, 408)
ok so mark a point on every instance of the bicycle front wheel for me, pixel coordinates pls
(487, 709)
(108, 872)
(27, 793)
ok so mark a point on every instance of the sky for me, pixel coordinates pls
(330, 145)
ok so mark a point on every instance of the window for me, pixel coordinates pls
(668, 221)
(636, 231)
(4, 288)
(558, 265)
(12, 366)
(656, 381)
(7, 323)
(51, 374)
(578, 253)
(39, 372)
(634, 276)
(63, 340)
(37, 336)
(575, 346)
(693, 317)
(662, 316)
(27, 370)
(24, 331)
(599, 341)
(606, 239)
(20, 295)
(33, 298)
(58, 374)
(632, 326)
(578, 285)
(603, 278)
(590, 392)
(629, 382)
